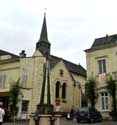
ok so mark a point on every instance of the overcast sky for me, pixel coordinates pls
(72, 25)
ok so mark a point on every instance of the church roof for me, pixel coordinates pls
(103, 42)
(53, 61)
(74, 68)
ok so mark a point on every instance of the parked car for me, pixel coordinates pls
(88, 114)
(7, 116)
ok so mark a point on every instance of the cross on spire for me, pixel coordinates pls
(44, 11)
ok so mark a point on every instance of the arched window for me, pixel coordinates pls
(57, 89)
(64, 91)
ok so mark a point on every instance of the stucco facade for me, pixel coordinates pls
(101, 60)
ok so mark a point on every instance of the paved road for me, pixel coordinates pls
(68, 122)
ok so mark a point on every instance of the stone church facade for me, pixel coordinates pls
(67, 79)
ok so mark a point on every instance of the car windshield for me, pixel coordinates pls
(83, 110)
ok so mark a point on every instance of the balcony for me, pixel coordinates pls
(102, 78)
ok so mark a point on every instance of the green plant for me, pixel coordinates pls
(112, 90)
(14, 98)
(91, 91)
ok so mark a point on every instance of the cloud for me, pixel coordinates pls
(72, 25)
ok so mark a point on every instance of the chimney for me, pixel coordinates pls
(23, 54)
(106, 35)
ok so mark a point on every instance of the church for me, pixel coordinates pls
(67, 80)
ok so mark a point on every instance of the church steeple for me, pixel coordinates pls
(44, 34)
(43, 44)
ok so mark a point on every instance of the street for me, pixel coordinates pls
(68, 122)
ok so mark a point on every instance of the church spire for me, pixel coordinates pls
(44, 34)
(43, 44)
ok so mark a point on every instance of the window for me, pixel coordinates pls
(25, 104)
(24, 81)
(57, 89)
(104, 101)
(61, 72)
(102, 66)
(64, 91)
(2, 81)
(114, 75)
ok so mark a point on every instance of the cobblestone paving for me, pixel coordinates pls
(68, 122)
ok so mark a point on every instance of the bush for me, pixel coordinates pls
(91, 91)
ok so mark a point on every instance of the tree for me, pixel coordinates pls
(112, 90)
(90, 91)
(14, 98)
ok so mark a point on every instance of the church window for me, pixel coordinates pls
(57, 89)
(2, 81)
(64, 91)
(61, 72)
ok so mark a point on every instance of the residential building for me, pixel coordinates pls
(67, 80)
(101, 60)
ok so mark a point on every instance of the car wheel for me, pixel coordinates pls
(91, 120)
(78, 120)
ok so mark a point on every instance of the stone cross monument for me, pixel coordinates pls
(45, 106)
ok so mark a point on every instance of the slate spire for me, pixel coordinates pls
(43, 44)
(44, 34)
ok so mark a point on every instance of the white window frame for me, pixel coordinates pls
(105, 98)
(2, 81)
(27, 106)
(102, 65)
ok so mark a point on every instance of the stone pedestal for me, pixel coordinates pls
(45, 119)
